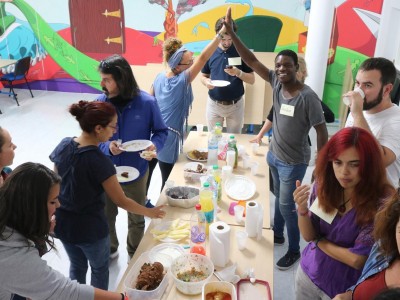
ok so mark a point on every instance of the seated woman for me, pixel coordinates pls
(382, 269)
(28, 200)
(349, 188)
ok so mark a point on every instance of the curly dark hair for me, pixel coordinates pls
(170, 46)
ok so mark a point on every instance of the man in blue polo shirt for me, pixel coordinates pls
(226, 101)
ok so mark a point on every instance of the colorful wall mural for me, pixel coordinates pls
(66, 39)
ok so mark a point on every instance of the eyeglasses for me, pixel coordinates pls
(188, 64)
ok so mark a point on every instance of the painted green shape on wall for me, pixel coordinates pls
(80, 66)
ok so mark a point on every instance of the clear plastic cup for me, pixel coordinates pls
(241, 237)
(246, 161)
(238, 210)
(200, 128)
(254, 148)
(230, 158)
(254, 167)
(226, 172)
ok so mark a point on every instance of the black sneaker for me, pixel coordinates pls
(288, 260)
(148, 204)
(279, 241)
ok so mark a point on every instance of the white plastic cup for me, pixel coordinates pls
(246, 161)
(254, 167)
(346, 100)
(230, 158)
(200, 128)
(241, 237)
(238, 210)
(226, 172)
(254, 148)
(169, 184)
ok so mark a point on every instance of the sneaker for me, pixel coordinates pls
(114, 254)
(288, 260)
(279, 241)
(148, 204)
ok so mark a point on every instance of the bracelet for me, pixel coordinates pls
(240, 74)
(123, 296)
(317, 241)
(303, 214)
(219, 36)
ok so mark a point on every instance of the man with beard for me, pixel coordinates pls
(139, 118)
(376, 112)
(226, 102)
(296, 108)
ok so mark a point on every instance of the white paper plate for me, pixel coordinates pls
(193, 159)
(240, 187)
(220, 83)
(135, 145)
(133, 173)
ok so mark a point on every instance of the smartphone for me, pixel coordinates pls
(228, 67)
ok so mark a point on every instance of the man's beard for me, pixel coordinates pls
(375, 102)
(106, 92)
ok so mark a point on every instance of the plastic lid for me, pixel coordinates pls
(215, 167)
(218, 124)
(232, 137)
(206, 185)
(198, 206)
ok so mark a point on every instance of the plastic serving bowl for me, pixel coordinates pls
(186, 262)
(189, 196)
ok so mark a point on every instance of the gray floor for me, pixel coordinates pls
(38, 125)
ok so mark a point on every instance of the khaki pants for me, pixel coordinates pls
(136, 191)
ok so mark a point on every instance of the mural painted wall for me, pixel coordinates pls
(66, 39)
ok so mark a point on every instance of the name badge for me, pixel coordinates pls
(316, 209)
(234, 61)
(287, 110)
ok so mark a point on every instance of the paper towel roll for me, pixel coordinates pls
(254, 219)
(220, 239)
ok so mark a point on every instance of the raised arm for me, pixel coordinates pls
(201, 60)
(249, 58)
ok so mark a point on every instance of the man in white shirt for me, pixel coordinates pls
(376, 112)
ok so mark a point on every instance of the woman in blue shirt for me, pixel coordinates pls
(173, 91)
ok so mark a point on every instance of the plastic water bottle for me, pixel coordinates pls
(232, 146)
(212, 158)
(198, 232)
(216, 173)
(218, 130)
(207, 206)
(347, 101)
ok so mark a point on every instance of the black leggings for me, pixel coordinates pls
(152, 165)
(166, 169)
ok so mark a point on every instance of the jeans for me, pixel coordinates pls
(135, 190)
(306, 289)
(97, 253)
(284, 176)
(234, 115)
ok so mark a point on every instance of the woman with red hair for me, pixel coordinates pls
(350, 186)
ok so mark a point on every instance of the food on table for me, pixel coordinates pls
(198, 155)
(125, 174)
(200, 169)
(150, 276)
(218, 296)
(192, 275)
(176, 231)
